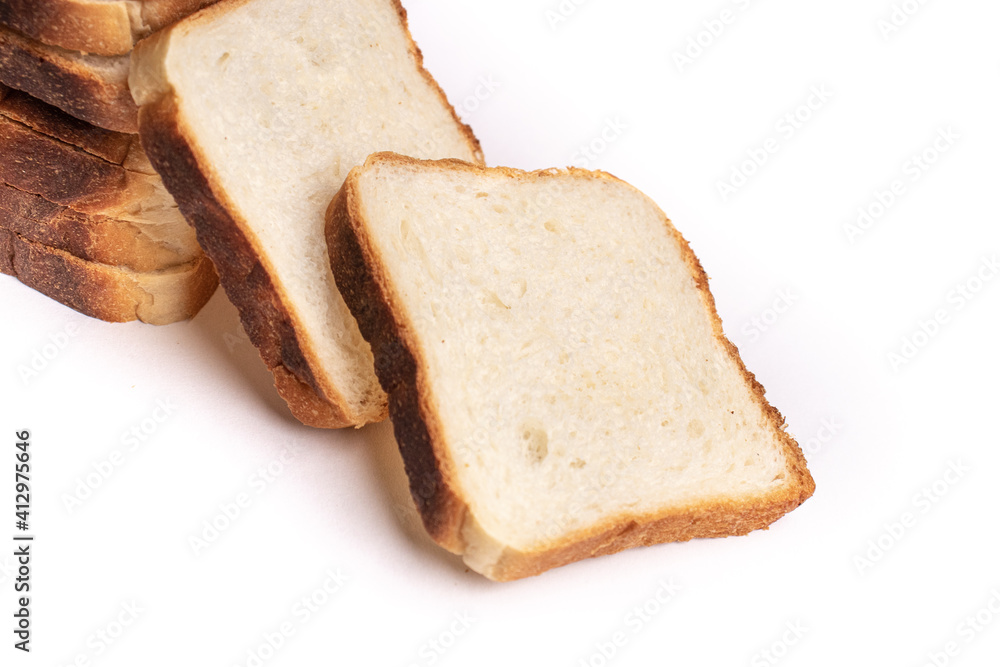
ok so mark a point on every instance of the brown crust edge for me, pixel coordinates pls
(246, 281)
(368, 298)
(102, 28)
(92, 238)
(100, 291)
(369, 294)
(43, 72)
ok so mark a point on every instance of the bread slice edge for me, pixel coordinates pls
(109, 293)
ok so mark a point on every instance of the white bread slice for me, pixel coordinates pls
(559, 381)
(96, 238)
(110, 293)
(253, 112)
(101, 27)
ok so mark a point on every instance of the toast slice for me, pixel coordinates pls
(96, 238)
(253, 112)
(559, 381)
(109, 293)
(101, 27)
(90, 87)
(46, 152)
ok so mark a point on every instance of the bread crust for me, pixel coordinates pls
(56, 123)
(243, 265)
(106, 292)
(70, 81)
(399, 363)
(100, 27)
(372, 302)
(96, 238)
(103, 28)
(70, 176)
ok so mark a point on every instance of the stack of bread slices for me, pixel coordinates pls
(84, 217)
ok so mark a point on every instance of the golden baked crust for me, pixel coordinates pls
(108, 293)
(73, 82)
(94, 238)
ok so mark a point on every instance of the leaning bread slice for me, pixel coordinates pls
(559, 381)
(102, 27)
(97, 238)
(253, 112)
(90, 87)
(109, 293)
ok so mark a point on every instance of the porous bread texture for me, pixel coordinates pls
(110, 293)
(90, 87)
(102, 27)
(568, 376)
(272, 102)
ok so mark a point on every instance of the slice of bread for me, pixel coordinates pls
(253, 112)
(96, 238)
(559, 381)
(56, 123)
(46, 152)
(102, 27)
(90, 87)
(109, 293)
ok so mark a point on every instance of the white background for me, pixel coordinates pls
(858, 585)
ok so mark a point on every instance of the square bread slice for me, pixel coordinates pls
(101, 27)
(111, 293)
(558, 378)
(253, 112)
